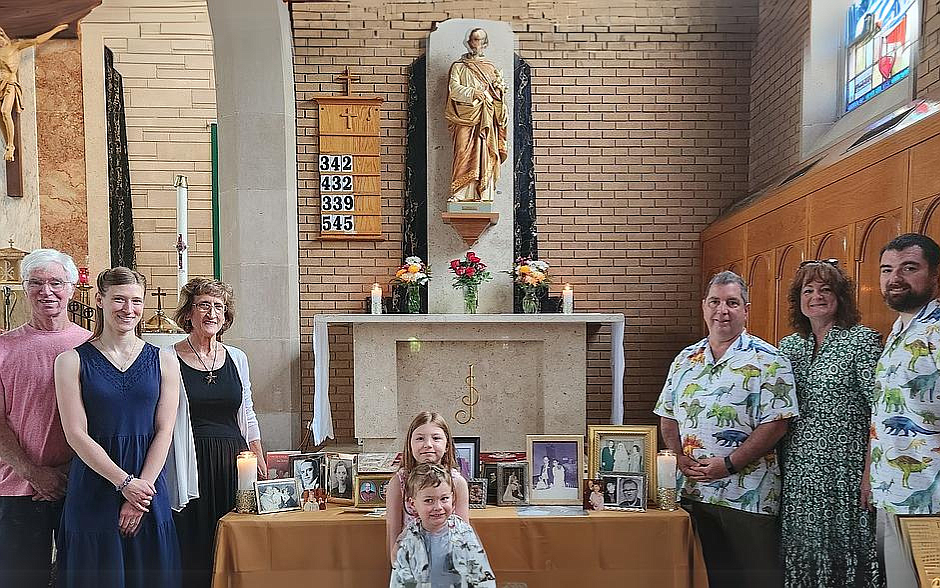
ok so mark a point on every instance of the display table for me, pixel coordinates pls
(333, 548)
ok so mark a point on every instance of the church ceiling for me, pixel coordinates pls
(29, 18)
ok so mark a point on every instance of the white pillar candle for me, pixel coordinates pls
(376, 298)
(567, 300)
(182, 240)
(666, 468)
(247, 465)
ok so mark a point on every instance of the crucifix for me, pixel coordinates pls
(347, 79)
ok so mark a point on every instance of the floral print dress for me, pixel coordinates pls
(828, 539)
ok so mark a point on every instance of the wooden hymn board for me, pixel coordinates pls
(349, 166)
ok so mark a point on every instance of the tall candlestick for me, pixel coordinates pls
(567, 300)
(182, 222)
(666, 469)
(376, 298)
(247, 465)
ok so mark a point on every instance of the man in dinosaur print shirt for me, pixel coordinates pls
(726, 402)
(904, 462)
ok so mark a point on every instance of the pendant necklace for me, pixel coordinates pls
(210, 377)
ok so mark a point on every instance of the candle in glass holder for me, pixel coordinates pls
(83, 276)
(567, 300)
(247, 465)
(376, 298)
(666, 469)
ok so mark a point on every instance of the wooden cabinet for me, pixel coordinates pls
(847, 210)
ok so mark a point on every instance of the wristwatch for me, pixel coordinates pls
(729, 465)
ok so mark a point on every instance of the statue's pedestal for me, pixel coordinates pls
(529, 374)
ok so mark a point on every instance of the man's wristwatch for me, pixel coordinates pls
(729, 465)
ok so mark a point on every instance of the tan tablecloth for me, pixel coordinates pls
(332, 548)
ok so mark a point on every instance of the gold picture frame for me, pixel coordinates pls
(601, 462)
(370, 490)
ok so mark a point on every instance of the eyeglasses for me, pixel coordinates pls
(207, 306)
(831, 261)
(54, 285)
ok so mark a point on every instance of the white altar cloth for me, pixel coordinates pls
(321, 425)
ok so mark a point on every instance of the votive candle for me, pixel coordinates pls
(567, 300)
(376, 298)
(247, 465)
(666, 468)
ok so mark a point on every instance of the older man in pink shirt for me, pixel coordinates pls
(33, 452)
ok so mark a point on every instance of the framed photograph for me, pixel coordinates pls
(308, 469)
(511, 483)
(277, 495)
(631, 493)
(279, 466)
(467, 450)
(340, 477)
(555, 466)
(371, 490)
(609, 488)
(477, 487)
(622, 449)
(594, 494)
(490, 475)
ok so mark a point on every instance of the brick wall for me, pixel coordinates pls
(163, 51)
(928, 71)
(641, 114)
(776, 89)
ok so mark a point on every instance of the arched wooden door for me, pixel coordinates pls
(874, 234)
(760, 282)
(789, 258)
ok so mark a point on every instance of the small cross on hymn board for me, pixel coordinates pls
(347, 79)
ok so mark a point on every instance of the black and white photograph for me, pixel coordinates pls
(308, 469)
(477, 488)
(277, 495)
(467, 450)
(489, 474)
(631, 492)
(511, 481)
(555, 466)
(340, 476)
(609, 488)
(622, 449)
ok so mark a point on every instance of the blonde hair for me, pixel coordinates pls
(427, 475)
(448, 460)
(116, 276)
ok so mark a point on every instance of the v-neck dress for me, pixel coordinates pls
(120, 408)
(827, 538)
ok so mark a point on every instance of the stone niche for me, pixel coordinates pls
(529, 378)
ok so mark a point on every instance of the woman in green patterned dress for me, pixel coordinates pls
(828, 538)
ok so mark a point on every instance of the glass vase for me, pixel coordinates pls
(413, 298)
(531, 303)
(471, 299)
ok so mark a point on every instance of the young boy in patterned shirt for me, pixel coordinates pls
(438, 550)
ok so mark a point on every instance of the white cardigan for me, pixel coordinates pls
(182, 477)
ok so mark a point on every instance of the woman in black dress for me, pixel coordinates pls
(217, 392)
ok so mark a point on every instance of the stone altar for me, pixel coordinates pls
(529, 373)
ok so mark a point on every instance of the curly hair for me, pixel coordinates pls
(204, 287)
(843, 288)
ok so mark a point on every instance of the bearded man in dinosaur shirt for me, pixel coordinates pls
(726, 402)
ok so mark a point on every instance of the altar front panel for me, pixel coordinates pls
(528, 379)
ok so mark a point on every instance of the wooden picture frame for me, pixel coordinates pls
(556, 466)
(370, 490)
(463, 446)
(603, 460)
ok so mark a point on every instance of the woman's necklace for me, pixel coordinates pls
(129, 358)
(210, 377)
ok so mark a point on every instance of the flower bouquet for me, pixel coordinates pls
(411, 276)
(469, 273)
(532, 276)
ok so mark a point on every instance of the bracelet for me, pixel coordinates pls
(124, 484)
(730, 465)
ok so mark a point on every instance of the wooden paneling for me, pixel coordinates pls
(926, 218)
(762, 290)
(864, 194)
(789, 258)
(832, 245)
(723, 249)
(925, 162)
(777, 227)
(873, 234)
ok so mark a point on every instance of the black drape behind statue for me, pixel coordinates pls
(119, 176)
